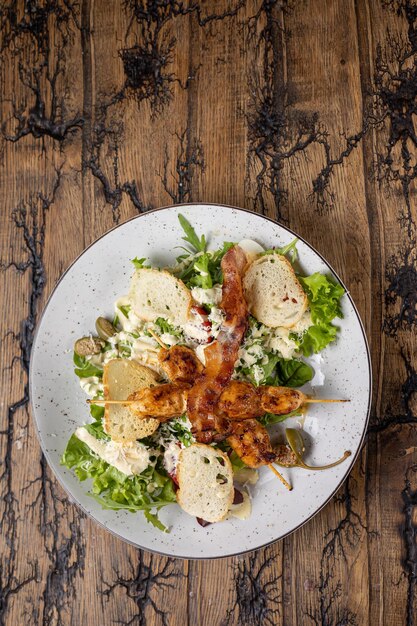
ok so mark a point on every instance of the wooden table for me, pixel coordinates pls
(304, 111)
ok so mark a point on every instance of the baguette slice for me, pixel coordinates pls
(155, 293)
(205, 479)
(273, 292)
(121, 378)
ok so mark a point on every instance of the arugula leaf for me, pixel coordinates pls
(113, 489)
(290, 249)
(198, 245)
(140, 263)
(96, 411)
(165, 327)
(85, 369)
(125, 309)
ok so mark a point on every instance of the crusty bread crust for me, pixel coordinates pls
(205, 479)
(121, 377)
(273, 293)
(155, 293)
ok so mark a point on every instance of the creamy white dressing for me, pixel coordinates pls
(92, 385)
(171, 456)
(128, 458)
(168, 339)
(303, 323)
(281, 342)
(207, 296)
(243, 510)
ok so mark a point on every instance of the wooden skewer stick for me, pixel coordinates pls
(158, 339)
(111, 401)
(280, 476)
(318, 400)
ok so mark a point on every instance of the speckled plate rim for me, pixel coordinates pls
(368, 355)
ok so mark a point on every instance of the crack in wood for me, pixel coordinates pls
(30, 219)
(409, 532)
(396, 104)
(346, 535)
(190, 156)
(140, 587)
(26, 44)
(400, 293)
(258, 599)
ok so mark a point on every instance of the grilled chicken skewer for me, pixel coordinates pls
(238, 402)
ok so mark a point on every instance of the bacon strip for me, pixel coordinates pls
(220, 355)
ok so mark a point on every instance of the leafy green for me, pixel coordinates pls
(290, 249)
(125, 309)
(140, 263)
(147, 491)
(96, 411)
(293, 373)
(204, 270)
(324, 299)
(84, 368)
(270, 418)
(198, 245)
(165, 327)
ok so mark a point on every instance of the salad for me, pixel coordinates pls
(186, 381)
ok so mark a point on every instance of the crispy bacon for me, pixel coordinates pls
(220, 355)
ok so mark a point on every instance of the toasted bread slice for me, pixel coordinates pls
(273, 292)
(155, 293)
(121, 378)
(205, 479)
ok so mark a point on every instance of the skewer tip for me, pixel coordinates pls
(280, 476)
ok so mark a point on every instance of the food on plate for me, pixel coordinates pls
(205, 482)
(120, 379)
(189, 379)
(238, 401)
(273, 292)
(155, 293)
(180, 364)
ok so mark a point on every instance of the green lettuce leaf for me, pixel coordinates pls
(148, 491)
(324, 300)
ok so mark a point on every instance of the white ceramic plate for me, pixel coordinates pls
(89, 288)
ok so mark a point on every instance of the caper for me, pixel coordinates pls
(86, 346)
(104, 328)
(296, 444)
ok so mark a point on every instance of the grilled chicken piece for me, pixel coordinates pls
(220, 355)
(240, 400)
(250, 440)
(279, 400)
(180, 364)
(163, 402)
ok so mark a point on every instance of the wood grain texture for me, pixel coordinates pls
(304, 111)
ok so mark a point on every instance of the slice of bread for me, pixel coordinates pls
(155, 293)
(121, 378)
(273, 292)
(205, 479)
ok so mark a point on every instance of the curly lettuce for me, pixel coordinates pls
(147, 492)
(324, 300)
